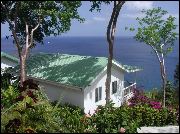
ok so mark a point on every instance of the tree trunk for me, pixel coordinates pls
(110, 38)
(22, 70)
(164, 80)
(108, 79)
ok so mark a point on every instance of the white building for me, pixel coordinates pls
(79, 80)
(8, 60)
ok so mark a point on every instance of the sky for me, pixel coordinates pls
(96, 22)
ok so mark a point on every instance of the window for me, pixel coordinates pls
(114, 87)
(98, 94)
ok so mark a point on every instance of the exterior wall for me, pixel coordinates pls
(66, 95)
(89, 92)
(7, 63)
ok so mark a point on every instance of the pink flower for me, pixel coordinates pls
(122, 130)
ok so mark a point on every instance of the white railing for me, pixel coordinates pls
(128, 92)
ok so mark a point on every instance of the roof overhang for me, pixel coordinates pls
(126, 68)
(10, 57)
(56, 84)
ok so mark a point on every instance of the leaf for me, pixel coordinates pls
(124, 123)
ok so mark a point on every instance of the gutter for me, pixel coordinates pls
(57, 84)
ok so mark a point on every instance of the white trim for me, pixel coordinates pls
(56, 84)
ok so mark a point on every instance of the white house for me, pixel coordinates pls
(79, 80)
(8, 60)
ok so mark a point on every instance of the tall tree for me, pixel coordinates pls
(30, 21)
(176, 76)
(110, 34)
(176, 81)
(110, 38)
(159, 34)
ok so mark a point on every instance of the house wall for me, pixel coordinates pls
(7, 63)
(66, 95)
(89, 92)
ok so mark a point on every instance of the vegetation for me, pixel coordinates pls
(30, 21)
(176, 81)
(29, 111)
(176, 76)
(159, 34)
(25, 108)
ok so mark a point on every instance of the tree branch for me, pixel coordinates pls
(13, 30)
(162, 55)
(156, 53)
(117, 6)
(15, 16)
(32, 32)
(27, 38)
(109, 26)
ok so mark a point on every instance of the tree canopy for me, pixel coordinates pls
(154, 30)
(53, 17)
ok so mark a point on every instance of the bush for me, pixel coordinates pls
(8, 96)
(29, 110)
(27, 114)
(172, 99)
(149, 112)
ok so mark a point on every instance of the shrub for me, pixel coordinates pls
(109, 119)
(39, 116)
(8, 96)
(149, 112)
(30, 111)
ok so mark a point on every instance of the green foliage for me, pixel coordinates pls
(176, 82)
(171, 95)
(30, 111)
(152, 94)
(39, 116)
(96, 5)
(7, 78)
(155, 31)
(8, 96)
(105, 119)
(176, 76)
(54, 17)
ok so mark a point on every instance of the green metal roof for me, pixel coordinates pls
(73, 70)
(127, 68)
(3, 54)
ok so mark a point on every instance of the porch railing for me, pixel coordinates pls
(128, 91)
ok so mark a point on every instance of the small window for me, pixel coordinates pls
(114, 87)
(98, 94)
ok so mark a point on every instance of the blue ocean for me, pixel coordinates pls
(126, 51)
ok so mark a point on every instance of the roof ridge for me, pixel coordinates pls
(72, 55)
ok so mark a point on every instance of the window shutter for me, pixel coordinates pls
(114, 87)
(100, 93)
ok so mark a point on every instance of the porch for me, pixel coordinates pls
(127, 92)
